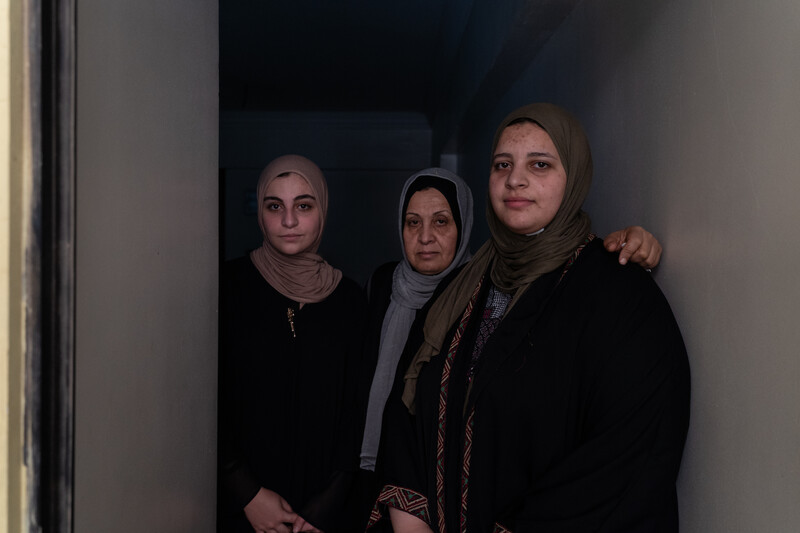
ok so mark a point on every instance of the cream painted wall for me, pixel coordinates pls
(7, 441)
(147, 245)
(16, 234)
(693, 110)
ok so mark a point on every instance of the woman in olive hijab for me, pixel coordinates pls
(551, 391)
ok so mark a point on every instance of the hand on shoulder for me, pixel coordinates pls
(635, 244)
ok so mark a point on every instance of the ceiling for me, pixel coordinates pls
(329, 55)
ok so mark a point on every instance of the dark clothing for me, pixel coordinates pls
(575, 419)
(379, 292)
(288, 402)
(367, 485)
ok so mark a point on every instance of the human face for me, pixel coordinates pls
(290, 214)
(527, 180)
(430, 235)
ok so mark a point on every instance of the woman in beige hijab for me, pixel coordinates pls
(290, 349)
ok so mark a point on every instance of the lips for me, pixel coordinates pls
(515, 202)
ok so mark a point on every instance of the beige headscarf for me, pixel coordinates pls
(517, 260)
(304, 277)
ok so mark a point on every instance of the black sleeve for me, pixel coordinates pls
(236, 483)
(402, 468)
(622, 477)
(327, 509)
(401, 465)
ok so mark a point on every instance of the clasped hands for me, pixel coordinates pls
(268, 512)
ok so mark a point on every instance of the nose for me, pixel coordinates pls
(517, 178)
(426, 234)
(289, 219)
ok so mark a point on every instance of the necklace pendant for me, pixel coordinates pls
(290, 316)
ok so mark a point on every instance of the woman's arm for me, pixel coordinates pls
(622, 473)
(401, 465)
(403, 522)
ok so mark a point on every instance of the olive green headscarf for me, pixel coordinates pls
(517, 260)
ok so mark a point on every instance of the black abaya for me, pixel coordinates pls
(575, 420)
(289, 416)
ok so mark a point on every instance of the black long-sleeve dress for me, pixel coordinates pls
(367, 485)
(574, 420)
(288, 400)
(379, 292)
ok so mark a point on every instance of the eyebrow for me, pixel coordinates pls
(301, 197)
(530, 154)
(440, 212)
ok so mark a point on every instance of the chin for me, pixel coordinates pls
(528, 231)
(291, 250)
(426, 270)
(433, 270)
(522, 228)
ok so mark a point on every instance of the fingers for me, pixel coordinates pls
(279, 528)
(646, 254)
(286, 514)
(653, 257)
(288, 517)
(635, 244)
(643, 248)
(301, 526)
(285, 506)
(656, 257)
(626, 252)
(614, 241)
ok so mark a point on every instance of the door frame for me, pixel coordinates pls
(50, 266)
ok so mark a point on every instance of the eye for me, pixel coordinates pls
(441, 221)
(502, 165)
(272, 206)
(412, 222)
(305, 206)
(541, 165)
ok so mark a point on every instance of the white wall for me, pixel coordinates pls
(693, 110)
(145, 431)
